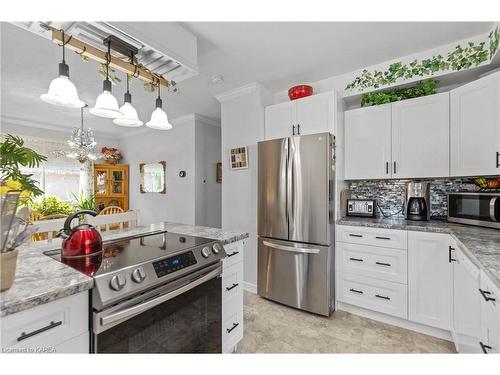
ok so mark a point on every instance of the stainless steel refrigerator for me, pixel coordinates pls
(296, 221)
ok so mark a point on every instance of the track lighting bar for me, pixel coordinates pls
(96, 54)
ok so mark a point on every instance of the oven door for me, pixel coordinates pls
(474, 208)
(183, 316)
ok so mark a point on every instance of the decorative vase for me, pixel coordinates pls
(8, 263)
(111, 161)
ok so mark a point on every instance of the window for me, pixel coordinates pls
(59, 176)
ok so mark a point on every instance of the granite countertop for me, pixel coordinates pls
(41, 279)
(481, 245)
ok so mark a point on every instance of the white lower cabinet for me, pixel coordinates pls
(61, 326)
(490, 315)
(232, 296)
(466, 304)
(429, 279)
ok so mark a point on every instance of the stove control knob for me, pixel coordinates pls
(138, 275)
(216, 248)
(205, 252)
(117, 282)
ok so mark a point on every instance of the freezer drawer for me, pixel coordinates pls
(296, 274)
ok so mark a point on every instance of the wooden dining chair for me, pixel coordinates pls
(48, 226)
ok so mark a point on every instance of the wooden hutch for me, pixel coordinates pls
(111, 185)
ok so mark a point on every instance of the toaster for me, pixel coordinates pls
(361, 207)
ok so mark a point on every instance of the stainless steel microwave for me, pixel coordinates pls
(482, 209)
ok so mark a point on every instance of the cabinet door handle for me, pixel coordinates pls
(484, 347)
(383, 297)
(355, 235)
(356, 291)
(25, 335)
(383, 264)
(498, 159)
(356, 259)
(394, 167)
(232, 254)
(486, 295)
(450, 259)
(382, 238)
(298, 129)
(228, 288)
(386, 167)
(229, 330)
(293, 129)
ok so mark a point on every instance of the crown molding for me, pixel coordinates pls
(236, 92)
(37, 124)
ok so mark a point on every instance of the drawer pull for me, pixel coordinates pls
(383, 264)
(486, 295)
(356, 259)
(25, 335)
(355, 235)
(356, 291)
(383, 297)
(228, 288)
(484, 347)
(450, 259)
(229, 330)
(233, 254)
(382, 238)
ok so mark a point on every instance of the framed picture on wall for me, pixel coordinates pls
(238, 158)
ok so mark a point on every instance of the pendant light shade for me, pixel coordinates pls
(129, 116)
(159, 118)
(106, 104)
(62, 91)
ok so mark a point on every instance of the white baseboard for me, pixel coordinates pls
(395, 321)
(252, 288)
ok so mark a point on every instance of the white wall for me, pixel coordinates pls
(193, 145)
(176, 147)
(208, 193)
(242, 122)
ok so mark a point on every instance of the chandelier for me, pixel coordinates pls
(81, 144)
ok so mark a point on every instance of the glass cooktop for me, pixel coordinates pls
(129, 252)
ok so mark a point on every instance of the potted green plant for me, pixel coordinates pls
(16, 188)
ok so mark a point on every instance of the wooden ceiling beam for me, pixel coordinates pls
(96, 54)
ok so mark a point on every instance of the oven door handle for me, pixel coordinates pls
(137, 309)
(493, 202)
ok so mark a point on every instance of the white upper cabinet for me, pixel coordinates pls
(279, 120)
(475, 128)
(420, 137)
(310, 115)
(368, 143)
(430, 294)
(315, 114)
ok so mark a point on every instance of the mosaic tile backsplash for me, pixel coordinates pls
(390, 194)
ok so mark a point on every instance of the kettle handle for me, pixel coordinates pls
(67, 224)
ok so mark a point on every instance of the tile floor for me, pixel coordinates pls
(274, 328)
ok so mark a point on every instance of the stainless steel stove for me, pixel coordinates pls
(156, 293)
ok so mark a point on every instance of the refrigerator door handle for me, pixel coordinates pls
(302, 250)
(290, 188)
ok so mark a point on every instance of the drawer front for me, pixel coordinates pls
(395, 239)
(232, 321)
(383, 296)
(47, 325)
(79, 344)
(232, 280)
(372, 261)
(234, 253)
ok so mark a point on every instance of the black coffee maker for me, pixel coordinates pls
(417, 201)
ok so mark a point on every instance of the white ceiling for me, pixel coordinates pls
(275, 54)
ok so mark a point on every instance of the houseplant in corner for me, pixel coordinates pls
(16, 188)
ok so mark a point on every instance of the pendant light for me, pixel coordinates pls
(62, 91)
(106, 104)
(129, 116)
(159, 119)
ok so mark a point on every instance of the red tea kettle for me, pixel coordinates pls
(81, 240)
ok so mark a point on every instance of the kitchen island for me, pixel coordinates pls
(40, 279)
